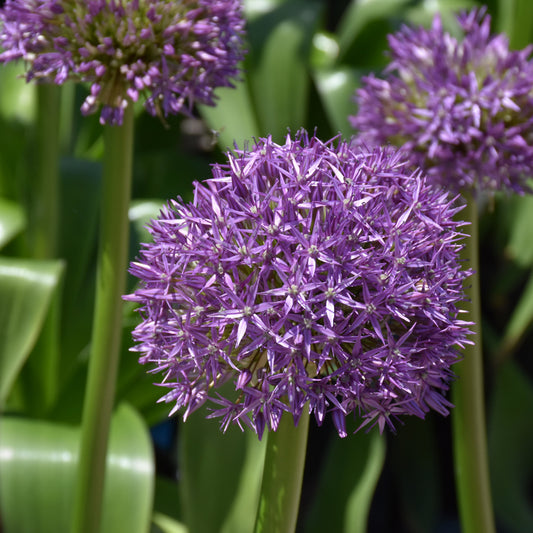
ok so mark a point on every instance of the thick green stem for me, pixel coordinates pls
(468, 417)
(45, 185)
(107, 325)
(282, 477)
(44, 206)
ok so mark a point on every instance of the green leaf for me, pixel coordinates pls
(18, 100)
(26, 289)
(519, 322)
(141, 212)
(241, 515)
(214, 466)
(519, 247)
(515, 18)
(233, 119)
(12, 220)
(359, 15)
(424, 12)
(510, 436)
(280, 45)
(347, 484)
(166, 524)
(38, 462)
(336, 87)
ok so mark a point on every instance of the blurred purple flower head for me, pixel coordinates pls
(463, 109)
(310, 276)
(172, 53)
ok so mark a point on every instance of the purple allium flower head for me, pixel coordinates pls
(172, 53)
(463, 109)
(308, 275)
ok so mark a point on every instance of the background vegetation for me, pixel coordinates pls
(305, 60)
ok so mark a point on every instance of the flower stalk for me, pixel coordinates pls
(282, 476)
(107, 324)
(468, 417)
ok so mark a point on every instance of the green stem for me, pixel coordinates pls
(468, 416)
(107, 324)
(42, 370)
(45, 187)
(282, 476)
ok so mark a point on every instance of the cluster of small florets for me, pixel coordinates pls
(312, 276)
(463, 109)
(173, 53)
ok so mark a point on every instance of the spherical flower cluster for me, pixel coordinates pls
(304, 276)
(463, 109)
(173, 53)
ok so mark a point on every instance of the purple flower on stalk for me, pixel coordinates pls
(463, 109)
(310, 275)
(172, 53)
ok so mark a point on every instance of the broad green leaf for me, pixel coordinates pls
(359, 14)
(256, 8)
(26, 289)
(515, 18)
(140, 214)
(347, 483)
(519, 247)
(12, 220)
(424, 12)
(510, 436)
(128, 493)
(241, 516)
(18, 101)
(166, 524)
(214, 466)
(38, 462)
(520, 320)
(233, 119)
(277, 67)
(336, 87)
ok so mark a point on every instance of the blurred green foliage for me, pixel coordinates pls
(305, 61)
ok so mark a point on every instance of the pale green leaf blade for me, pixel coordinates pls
(515, 18)
(213, 466)
(167, 524)
(38, 470)
(336, 87)
(233, 119)
(12, 220)
(129, 485)
(26, 289)
(519, 246)
(18, 100)
(359, 14)
(519, 322)
(280, 47)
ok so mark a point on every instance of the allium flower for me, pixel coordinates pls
(311, 277)
(463, 109)
(174, 53)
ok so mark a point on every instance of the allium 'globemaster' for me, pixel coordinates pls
(173, 53)
(309, 275)
(463, 109)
